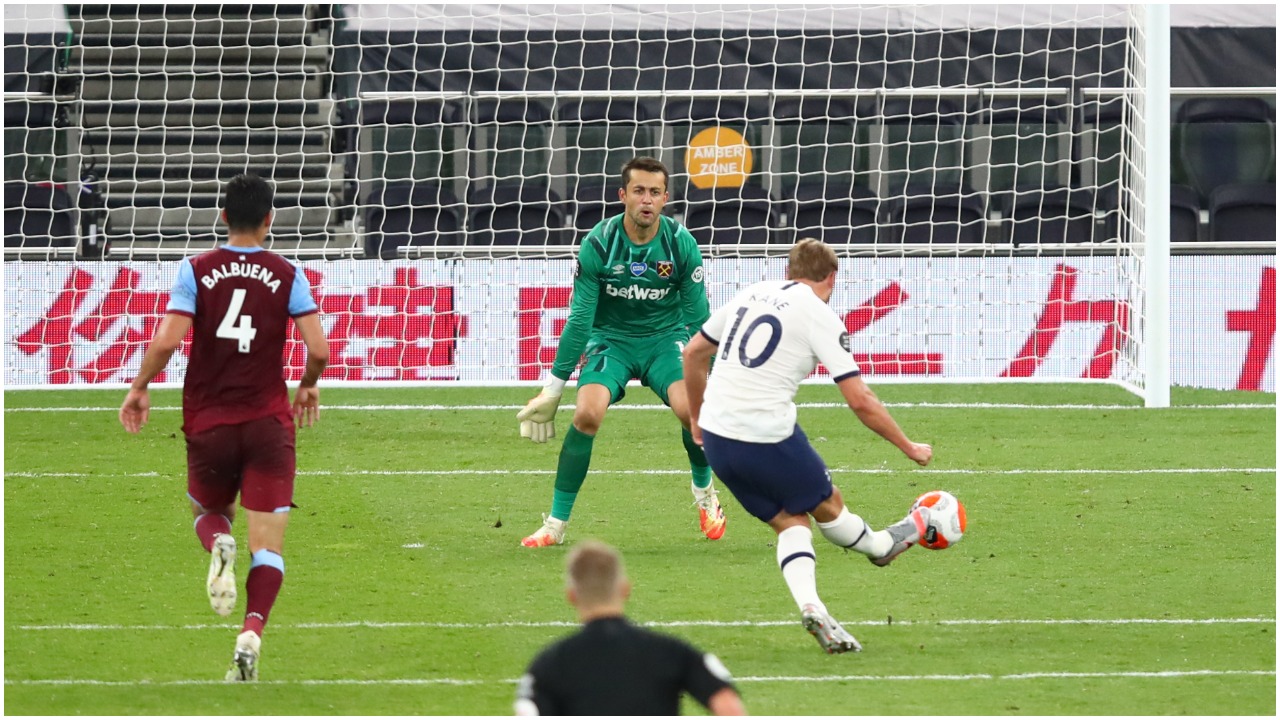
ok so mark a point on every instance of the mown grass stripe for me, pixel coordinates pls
(811, 405)
(852, 471)
(1152, 674)
(655, 623)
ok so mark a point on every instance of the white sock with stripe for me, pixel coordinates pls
(799, 566)
(850, 531)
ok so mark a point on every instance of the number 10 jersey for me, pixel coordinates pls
(769, 337)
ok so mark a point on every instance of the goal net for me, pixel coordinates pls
(980, 170)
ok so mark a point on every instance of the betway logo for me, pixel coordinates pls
(634, 292)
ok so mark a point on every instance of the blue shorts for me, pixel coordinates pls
(768, 478)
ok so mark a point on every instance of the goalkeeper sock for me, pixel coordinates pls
(698, 466)
(850, 531)
(575, 458)
(799, 566)
(209, 526)
(266, 575)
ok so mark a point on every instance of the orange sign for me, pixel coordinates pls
(718, 157)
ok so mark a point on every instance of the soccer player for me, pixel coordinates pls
(611, 667)
(766, 340)
(638, 294)
(237, 300)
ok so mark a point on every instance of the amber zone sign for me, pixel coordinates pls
(718, 157)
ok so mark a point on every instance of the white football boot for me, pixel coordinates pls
(824, 628)
(244, 664)
(222, 574)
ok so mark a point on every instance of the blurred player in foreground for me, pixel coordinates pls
(769, 337)
(239, 426)
(638, 294)
(611, 667)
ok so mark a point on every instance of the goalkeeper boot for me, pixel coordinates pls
(824, 628)
(551, 533)
(710, 514)
(222, 574)
(905, 533)
(244, 664)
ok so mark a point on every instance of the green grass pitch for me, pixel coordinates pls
(1119, 561)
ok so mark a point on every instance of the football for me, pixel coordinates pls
(946, 521)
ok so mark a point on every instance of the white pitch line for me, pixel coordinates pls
(663, 624)
(1152, 674)
(850, 471)
(811, 405)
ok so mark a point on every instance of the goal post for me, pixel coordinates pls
(990, 176)
(1157, 164)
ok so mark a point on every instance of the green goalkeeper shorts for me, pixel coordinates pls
(655, 361)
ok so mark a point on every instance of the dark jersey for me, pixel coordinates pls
(241, 300)
(612, 667)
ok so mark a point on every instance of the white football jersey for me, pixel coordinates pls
(770, 337)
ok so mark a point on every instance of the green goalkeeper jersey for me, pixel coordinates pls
(626, 291)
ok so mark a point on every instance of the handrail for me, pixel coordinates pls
(22, 95)
(401, 95)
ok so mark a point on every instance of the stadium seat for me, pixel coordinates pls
(405, 213)
(1243, 213)
(1184, 208)
(815, 142)
(935, 214)
(730, 215)
(512, 140)
(1025, 137)
(1224, 141)
(923, 142)
(593, 203)
(1184, 214)
(601, 136)
(1097, 153)
(406, 139)
(833, 213)
(515, 214)
(1050, 215)
(37, 216)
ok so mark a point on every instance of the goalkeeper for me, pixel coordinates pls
(638, 292)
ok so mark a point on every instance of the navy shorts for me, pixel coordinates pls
(768, 478)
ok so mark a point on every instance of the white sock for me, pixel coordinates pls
(700, 493)
(850, 531)
(798, 565)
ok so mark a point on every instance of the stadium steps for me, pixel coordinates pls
(204, 114)
(177, 99)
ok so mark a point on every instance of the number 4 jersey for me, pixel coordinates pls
(769, 337)
(241, 300)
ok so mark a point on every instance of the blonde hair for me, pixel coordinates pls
(594, 571)
(811, 259)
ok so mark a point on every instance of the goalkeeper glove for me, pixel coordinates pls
(537, 419)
